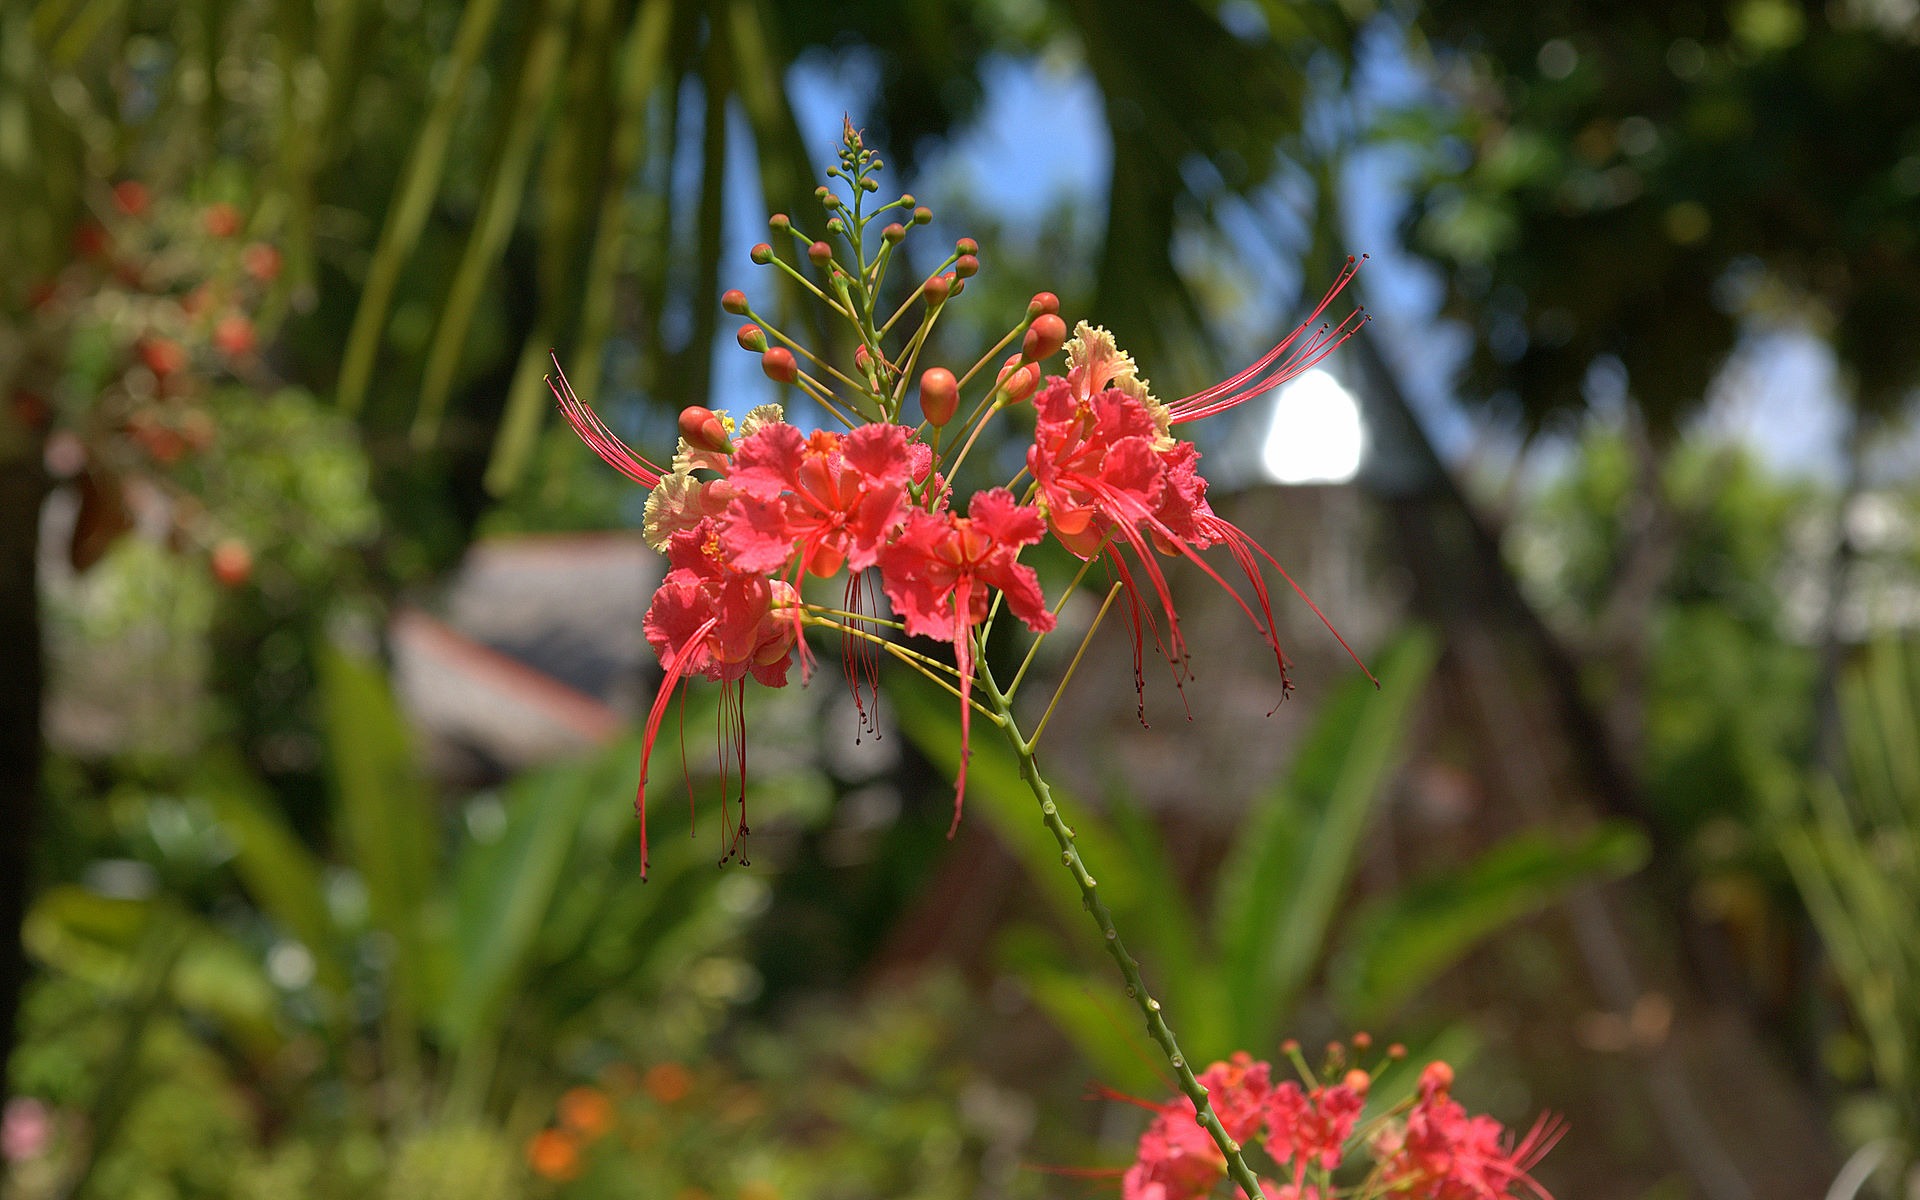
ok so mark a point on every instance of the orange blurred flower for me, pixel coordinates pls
(554, 1154)
(222, 220)
(668, 1082)
(586, 1111)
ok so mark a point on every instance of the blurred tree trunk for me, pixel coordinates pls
(22, 486)
(1729, 1113)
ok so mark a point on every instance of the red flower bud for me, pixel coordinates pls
(751, 337)
(939, 396)
(820, 253)
(1043, 302)
(1438, 1077)
(221, 220)
(1358, 1082)
(233, 335)
(163, 357)
(734, 300)
(761, 254)
(935, 290)
(966, 246)
(779, 365)
(780, 221)
(1044, 338)
(894, 233)
(966, 266)
(922, 215)
(232, 562)
(1017, 382)
(703, 430)
(261, 261)
(131, 197)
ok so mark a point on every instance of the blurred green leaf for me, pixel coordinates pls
(1400, 943)
(1282, 883)
(386, 817)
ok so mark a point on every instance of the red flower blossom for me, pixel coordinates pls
(938, 572)
(1441, 1153)
(711, 620)
(829, 499)
(1177, 1159)
(1312, 1127)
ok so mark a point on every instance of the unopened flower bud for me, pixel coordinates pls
(779, 365)
(966, 246)
(1043, 302)
(922, 215)
(832, 201)
(822, 192)
(1044, 337)
(894, 233)
(1362, 1040)
(1358, 1082)
(1290, 1046)
(1396, 1052)
(780, 221)
(906, 198)
(836, 226)
(966, 266)
(751, 337)
(232, 562)
(939, 396)
(870, 185)
(734, 300)
(703, 430)
(1018, 380)
(1438, 1077)
(761, 254)
(935, 290)
(820, 253)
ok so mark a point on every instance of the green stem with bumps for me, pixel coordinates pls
(1157, 1027)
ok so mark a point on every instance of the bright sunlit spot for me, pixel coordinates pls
(1316, 435)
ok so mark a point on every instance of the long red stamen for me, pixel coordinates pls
(1292, 360)
(594, 432)
(676, 671)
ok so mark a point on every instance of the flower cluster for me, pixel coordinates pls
(749, 512)
(1423, 1148)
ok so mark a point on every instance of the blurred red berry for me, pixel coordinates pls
(131, 197)
(221, 220)
(261, 261)
(163, 356)
(232, 562)
(234, 335)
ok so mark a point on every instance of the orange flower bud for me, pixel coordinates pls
(734, 300)
(752, 337)
(820, 253)
(1043, 302)
(703, 430)
(966, 266)
(779, 365)
(936, 289)
(1044, 338)
(1018, 381)
(939, 396)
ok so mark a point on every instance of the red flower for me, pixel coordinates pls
(829, 499)
(1444, 1154)
(1239, 1091)
(938, 572)
(1177, 1159)
(711, 620)
(1312, 1127)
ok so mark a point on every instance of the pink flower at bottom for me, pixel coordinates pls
(25, 1129)
(1177, 1159)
